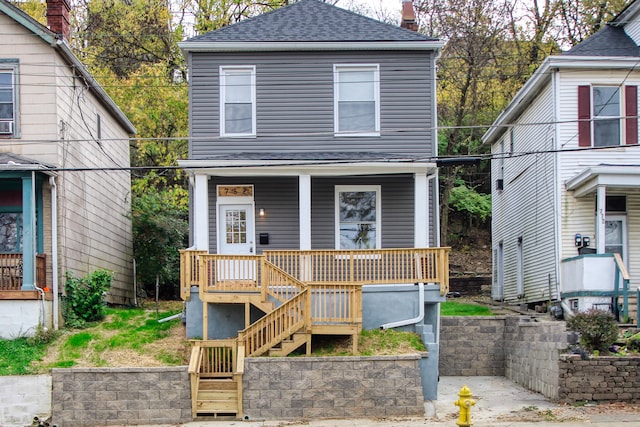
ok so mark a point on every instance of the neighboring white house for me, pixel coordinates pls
(53, 115)
(566, 175)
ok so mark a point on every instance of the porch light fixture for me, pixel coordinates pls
(261, 212)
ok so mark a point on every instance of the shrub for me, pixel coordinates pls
(598, 329)
(84, 300)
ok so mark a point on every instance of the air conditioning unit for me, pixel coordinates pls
(499, 184)
(6, 128)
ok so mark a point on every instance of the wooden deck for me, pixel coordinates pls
(302, 293)
(11, 272)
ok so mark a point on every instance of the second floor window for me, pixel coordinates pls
(237, 101)
(7, 103)
(608, 115)
(357, 99)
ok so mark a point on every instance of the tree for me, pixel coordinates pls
(214, 14)
(160, 230)
(581, 18)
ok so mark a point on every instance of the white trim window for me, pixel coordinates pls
(606, 116)
(358, 217)
(8, 100)
(356, 100)
(238, 101)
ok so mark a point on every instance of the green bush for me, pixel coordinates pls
(84, 300)
(598, 329)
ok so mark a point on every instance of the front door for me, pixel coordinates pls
(616, 235)
(236, 229)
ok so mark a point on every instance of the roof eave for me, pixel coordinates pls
(542, 75)
(242, 46)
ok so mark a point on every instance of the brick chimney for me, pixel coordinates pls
(58, 16)
(408, 16)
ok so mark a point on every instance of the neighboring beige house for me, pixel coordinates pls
(55, 215)
(566, 216)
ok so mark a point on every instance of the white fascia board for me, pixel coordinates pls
(542, 75)
(306, 46)
(296, 168)
(589, 179)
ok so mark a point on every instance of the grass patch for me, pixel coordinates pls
(126, 337)
(454, 308)
(16, 355)
(372, 342)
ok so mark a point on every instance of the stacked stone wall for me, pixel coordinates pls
(120, 396)
(472, 346)
(332, 387)
(603, 378)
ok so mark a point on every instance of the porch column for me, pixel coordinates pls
(304, 195)
(28, 233)
(420, 210)
(601, 209)
(201, 212)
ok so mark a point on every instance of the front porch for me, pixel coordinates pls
(298, 294)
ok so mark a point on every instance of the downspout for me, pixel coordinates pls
(415, 319)
(34, 246)
(54, 250)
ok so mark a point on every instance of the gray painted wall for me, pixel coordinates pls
(278, 196)
(294, 95)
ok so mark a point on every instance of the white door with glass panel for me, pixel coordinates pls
(236, 228)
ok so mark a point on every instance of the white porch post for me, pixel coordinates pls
(601, 197)
(201, 212)
(421, 211)
(304, 195)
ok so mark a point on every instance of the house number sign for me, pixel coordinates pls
(235, 191)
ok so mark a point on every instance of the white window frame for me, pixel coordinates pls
(359, 188)
(337, 68)
(226, 70)
(595, 118)
(11, 66)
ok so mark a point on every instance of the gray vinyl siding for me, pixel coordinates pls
(279, 198)
(295, 103)
(397, 209)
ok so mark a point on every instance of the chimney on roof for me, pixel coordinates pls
(408, 16)
(58, 12)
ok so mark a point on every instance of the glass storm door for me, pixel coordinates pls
(616, 235)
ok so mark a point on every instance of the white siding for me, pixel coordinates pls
(525, 208)
(578, 215)
(633, 30)
(58, 126)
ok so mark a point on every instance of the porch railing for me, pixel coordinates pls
(237, 273)
(11, 271)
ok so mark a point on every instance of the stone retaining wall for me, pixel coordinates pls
(472, 346)
(119, 396)
(326, 387)
(605, 378)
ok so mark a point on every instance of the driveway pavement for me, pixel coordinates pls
(499, 402)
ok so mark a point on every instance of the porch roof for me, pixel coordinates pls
(611, 176)
(309, 163)
(14, 162)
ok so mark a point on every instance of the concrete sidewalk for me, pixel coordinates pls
(499, 402)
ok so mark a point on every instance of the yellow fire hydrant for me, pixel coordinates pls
(465, 402)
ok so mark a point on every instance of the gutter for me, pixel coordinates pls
(266, 46)
(54, 250)
(415, 319)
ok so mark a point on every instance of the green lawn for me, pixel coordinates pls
(455, 308)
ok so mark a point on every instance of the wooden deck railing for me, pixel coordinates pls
(11, 271)
(278, 283)
(237, 273)
(336, 303)
(275, 326)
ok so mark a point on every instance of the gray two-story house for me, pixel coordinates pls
(312, 158)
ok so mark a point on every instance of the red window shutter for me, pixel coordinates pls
(631, 112)
(584, 116)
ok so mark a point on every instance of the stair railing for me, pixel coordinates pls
(621, 313)
(284, 321)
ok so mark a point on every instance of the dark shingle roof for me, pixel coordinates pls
(609, 41)
(310, 21)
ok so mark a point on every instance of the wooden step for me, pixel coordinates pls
(217, 397)
(286, 346)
